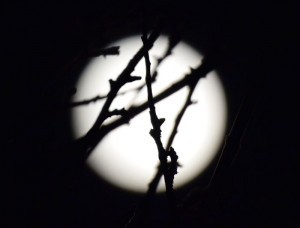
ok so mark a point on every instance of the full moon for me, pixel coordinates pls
(127, 157)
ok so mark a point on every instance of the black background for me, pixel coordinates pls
(41, 43)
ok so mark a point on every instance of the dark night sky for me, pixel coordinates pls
(42, 186)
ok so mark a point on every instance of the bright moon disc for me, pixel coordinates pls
(127, 157)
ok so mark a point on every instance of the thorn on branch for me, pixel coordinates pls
(192, 69)
(133, 78)
(194, 102)
(191, 102)
(112, 83)
(161, 121)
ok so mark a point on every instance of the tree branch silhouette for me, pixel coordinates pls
(172, 42)
(156, 131)
(99, 97)
(209, 63)
(86, 144)
(123, 78)
(86, 102)
(155, 181)
(178, 119)
(143, 209)
(195, 75)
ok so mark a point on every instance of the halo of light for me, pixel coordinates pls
(127, 157)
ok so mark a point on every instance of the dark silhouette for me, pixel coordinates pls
(45, 181)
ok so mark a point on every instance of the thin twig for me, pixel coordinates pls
(122, 79)
(156, 133)
(84, 54)
(193, 77)
(86, 102)
(172, 42)
(99, 97)
(87, 143)
(178, 119)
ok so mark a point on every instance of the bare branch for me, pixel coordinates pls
(85, 102)
(173, 165)
(122, 79)
(191, 78)
(156, 122)
(172, 42)
(98, 97)
(87, 143)
(156, 133)
(187, 103)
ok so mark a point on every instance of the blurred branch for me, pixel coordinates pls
(95, 52)
(172, 42)
(85, 102)
(122, 79)
(188, 79)
(178, 119)
(98, 97)
(87, 143)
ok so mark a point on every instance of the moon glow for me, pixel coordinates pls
(127, 157)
